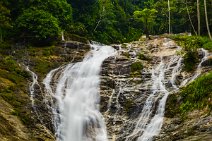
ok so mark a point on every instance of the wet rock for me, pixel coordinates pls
(117, 47)
(207, 62)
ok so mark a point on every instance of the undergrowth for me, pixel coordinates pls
(195, 96)
(198, 94)
(190, 44)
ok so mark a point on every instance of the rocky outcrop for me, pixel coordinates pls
(75, 45)
(124, 92)
(124, 89)
(196, 126)
(126, 81)
(19, 120)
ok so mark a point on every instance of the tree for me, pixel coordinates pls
(206, 20)
(169, 17)
(147, 17)
(60, 9)
(38, 26)
(4, 20)
(190, 18)
(198, 16)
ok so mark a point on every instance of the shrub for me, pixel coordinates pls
(142, 56)
(190, 44)
(197, 95)
(136, 67)
(190, 60)
(208, 46)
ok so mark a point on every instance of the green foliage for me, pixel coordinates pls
(4, 16)
(13, 90)
(190, 45)
(147, 17)
(59, 9)
(142, 56)
(5, 45)
(208, 46)
(172, 106)
(38, 26)
(190, 60)
(136, 67)
(128, 105)
(107, 21)
(77, 28)
(4, 21)
(191, 42)
(197, 95)
(16, 72)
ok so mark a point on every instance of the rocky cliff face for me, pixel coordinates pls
(126, 83)
(19, 119)
(125, 89)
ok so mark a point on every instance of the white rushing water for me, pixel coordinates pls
(149, 125)
(32, 86)
(72, 94)
(76, 110)
(154, 127)
(198, 69)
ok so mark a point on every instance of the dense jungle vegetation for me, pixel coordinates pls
(41, 22)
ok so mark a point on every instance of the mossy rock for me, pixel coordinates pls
(142, 56)
(136, 67)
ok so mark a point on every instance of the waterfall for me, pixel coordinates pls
(198, 69)
(149, 124)
(153, 128)
(72, 93)
(76, 93)
(32, 86)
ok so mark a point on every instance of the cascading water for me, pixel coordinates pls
(198, 70)
(72, 94)
(32, 86)
(76, 110)
(149, 125)
(153, 128)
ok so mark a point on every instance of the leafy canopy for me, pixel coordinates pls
(60, 9)
(38, 26)
(146, 15)
(4, 20)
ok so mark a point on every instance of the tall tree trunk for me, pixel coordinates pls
(169, 17)
(190, 18)
(198, 16)
(206, 19)
(146, 30)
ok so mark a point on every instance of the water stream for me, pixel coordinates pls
(149, 124)
(72, 94)
(76, 109)
(32, 86)
(198, 69)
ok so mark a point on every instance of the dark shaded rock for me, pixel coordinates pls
(117, 47)
(207, 62)
(75, 45)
